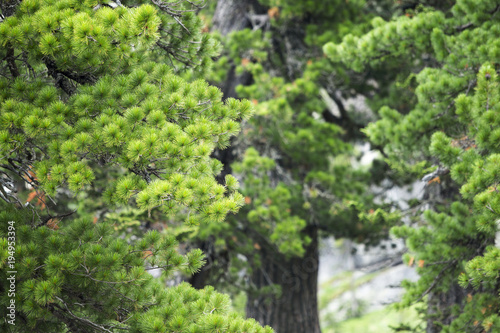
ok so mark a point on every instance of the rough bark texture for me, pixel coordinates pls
(293, 49)
(234, 15)
(229, 16)
(296, 311)
(8, 7)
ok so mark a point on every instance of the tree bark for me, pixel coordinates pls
(234, 15)
(229, 16)
(296, 310)
(8, 7)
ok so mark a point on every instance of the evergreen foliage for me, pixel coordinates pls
(90, 93)
(104, 108)
(81, 278)
(449, 129)
(294, 158)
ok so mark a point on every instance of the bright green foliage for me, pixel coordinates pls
(102, 285)
(112, 121)
(442, 254)
(480, 174)
(482, 309)
(453, 123)
(459, 49)
(92, 109)
(93, 38)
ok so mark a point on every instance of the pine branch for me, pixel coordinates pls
(436, 280)
(464, 27)
(31, 70)
(470, 24)
(169, 7)
(46, 219)
(62, 77)
(72, 325)
(11, 61)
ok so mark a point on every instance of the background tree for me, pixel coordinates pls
(293, 157)
(447, 135)
(85, 91)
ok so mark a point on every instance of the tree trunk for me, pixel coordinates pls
(8, 7)
(234, 15)
(230, 15)
(296, 310)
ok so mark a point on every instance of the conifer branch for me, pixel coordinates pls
(11, 61)
(470, 24)
(31, 70)
(46, 219)
(178, 57)
(61, 77)
(60, 314)
(495, 11)
(182, 25)
(436, 280)
(464, 27)
(121, 294)
(169, 8)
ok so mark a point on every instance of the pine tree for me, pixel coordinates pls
(293, 158)
(90, 91)
(447, 135)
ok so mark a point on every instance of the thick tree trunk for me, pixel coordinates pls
(296, 311)
(230, 15)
